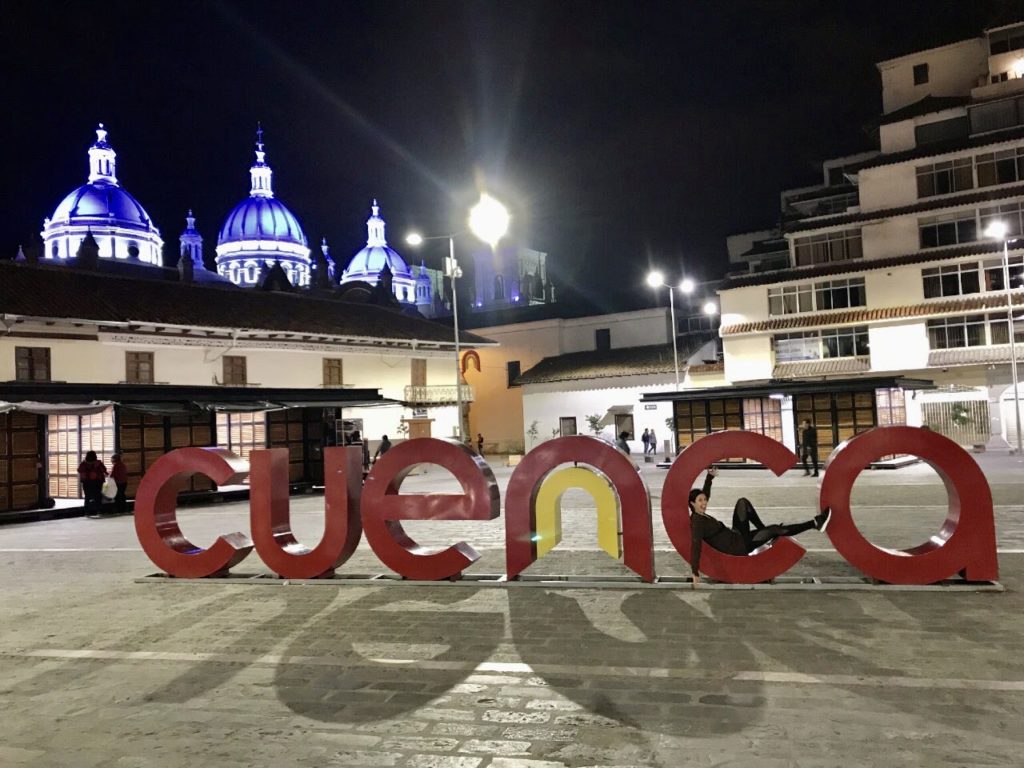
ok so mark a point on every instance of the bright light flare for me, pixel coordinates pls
(655, 279)
(414, 238)
(710, 308)
(687, 285)
(1018, 68)
(489, 220)
(997, 230)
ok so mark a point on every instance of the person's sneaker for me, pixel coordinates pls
(821, 521)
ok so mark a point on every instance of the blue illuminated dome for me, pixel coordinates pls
(367, 264)
(261, 230)
(118, 222)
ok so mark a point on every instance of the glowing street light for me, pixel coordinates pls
(998, 230)
(687, 285)
(489, 221)
(710, 308)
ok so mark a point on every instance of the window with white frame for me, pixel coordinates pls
(829, 247)
(955, 332)
(790, 299)
(951, 280)
(997, 328)
(1011, 214)
(994, 277)
(1003, 167)
(840, 294)
(817, 345)
(945, 177)
(949, 229)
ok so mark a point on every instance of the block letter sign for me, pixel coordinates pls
(965, 544)
(270, 520)
(763, 564)
(532, 515)
(383, 507)
(156, 522)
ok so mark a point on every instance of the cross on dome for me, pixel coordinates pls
(375, 227)
(102, 159)
(260, 173)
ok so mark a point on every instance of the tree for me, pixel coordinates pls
(594, 424)
(533, 431)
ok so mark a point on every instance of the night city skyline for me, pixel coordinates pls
(620, 137)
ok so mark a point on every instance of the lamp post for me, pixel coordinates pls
(657, 280)
(998, 230)
(489, 221)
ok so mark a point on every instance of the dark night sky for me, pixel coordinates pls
(620, 134)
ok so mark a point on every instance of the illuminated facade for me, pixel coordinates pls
(367, 264)
(119, 224)
(261, 230)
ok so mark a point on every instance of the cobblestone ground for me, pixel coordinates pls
(98, 670)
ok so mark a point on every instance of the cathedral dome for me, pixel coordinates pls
(367, 264)
(261, 218)
(118, 222)
(260, 231)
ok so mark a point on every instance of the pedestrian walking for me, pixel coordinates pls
(747, 532)
(92, 472)
(119, 474)
(384, 447)
(623, 442)
(356, 438)
(809, 446)
(645, 438)
(480, 443)
(652, 442)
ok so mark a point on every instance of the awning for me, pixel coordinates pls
(57, 409)
(50, 397)
(615, 410)
(768, 388)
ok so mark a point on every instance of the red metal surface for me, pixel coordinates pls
(156, 522)
(966, 542)
(686, 473)
(634, 501)
(383, 507)
(270, 521)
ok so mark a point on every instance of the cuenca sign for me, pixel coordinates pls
(964, 545)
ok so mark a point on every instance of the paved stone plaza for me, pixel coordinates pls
(100, 670)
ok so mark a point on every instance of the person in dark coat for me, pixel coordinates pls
(356, 438)
(480, 443)
(92, 472)
(809, 446)
(119, 472)
(384, 447)
(747, 532)
(623, 442)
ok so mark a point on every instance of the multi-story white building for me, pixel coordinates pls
(885, 272)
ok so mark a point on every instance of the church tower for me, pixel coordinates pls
(192, 242)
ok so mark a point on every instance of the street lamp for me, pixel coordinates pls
(488, 220)
(998, 230)
(656, 280)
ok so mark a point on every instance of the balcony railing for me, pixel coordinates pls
(436, 394)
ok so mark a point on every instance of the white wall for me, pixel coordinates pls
(748, 357)
(898, 347)
(627, 329)
(547, 403)
(953, 70)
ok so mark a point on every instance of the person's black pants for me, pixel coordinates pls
(92, 490)
(755, 533)
(812, 454)
(121, 499)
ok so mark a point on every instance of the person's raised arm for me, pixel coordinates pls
(712, 473)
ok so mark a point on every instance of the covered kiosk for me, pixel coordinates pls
(838, 409)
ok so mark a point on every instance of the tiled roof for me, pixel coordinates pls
(602, 364)
(849, 317)
(806, 368)
(706, 368)
(931, 204)
(69, 292)
(942, 148)
(999, 353)
(925, 106)
(747, 279)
